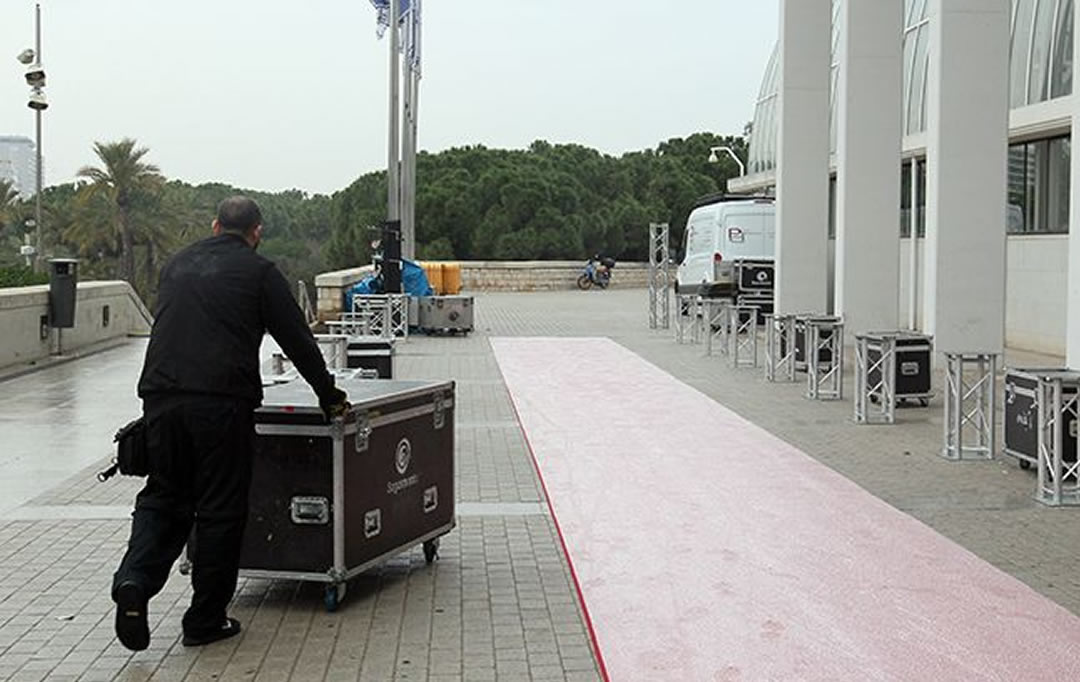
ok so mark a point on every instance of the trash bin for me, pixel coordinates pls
(63, 278)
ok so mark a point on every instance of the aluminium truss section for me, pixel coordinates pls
(385, 315)
(688, 318)
(659, 276)
(824, 337)
(1058, 398)
(779, 348)
(743, 339)
(970, 418)
(875, 378)
(335, 349)
(717, 313)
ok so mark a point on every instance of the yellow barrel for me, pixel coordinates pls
(434, 276)
(451, 278)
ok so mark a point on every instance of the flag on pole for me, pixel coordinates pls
(409, 21)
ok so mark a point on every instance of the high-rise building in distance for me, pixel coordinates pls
(18, 164)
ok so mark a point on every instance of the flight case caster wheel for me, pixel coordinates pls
(333, 596)
(1024, 464)
(431, 550)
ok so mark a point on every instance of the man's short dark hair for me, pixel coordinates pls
(239, 214)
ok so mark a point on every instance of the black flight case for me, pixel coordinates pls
(371, 352)
(1022, 416)
(329, 501)
(913, 375)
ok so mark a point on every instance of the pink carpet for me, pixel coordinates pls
(706, 549)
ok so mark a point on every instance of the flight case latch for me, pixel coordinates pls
(363, 431)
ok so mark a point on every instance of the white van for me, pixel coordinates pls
(718, 232)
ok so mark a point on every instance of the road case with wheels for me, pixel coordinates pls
(329, 501)
(1022, 418)
(371, 352)
(451, 314)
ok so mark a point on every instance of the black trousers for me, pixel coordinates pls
(200, 472)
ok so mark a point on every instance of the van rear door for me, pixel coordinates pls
(747, 234)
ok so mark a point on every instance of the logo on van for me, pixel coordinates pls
(735, 235)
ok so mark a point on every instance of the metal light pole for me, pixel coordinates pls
(713, 158)
(35, 78)
(37, 144)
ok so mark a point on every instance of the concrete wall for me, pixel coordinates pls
(489, 276)
(1035, 291)
(22, 310)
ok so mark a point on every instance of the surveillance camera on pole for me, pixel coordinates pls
(35, 76)
(27, 56)
(37, 100)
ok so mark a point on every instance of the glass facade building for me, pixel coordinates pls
(1041, 69)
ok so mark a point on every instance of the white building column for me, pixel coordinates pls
(967, 148)
(1072, 302)
(802, 165)
(868, 111)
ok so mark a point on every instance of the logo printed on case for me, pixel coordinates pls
(403, 456)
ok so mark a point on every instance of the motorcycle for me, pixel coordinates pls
(597, 271)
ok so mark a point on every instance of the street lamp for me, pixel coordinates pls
(35, 78)
(713, 158)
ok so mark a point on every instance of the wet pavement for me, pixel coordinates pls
(60, 420)
(500, 603)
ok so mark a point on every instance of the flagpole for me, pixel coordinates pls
(414, 86)
(393, 166)
(408, 226)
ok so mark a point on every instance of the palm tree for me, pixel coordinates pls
(121, 179)
(8, 197)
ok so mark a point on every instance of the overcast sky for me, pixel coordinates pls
(274, 94)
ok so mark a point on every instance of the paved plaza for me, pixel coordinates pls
(500, 603)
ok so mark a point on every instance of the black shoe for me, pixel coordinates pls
(131, 627)
(230, 628)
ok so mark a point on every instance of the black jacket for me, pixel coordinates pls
(216, 299)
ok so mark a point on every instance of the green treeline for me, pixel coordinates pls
(123, 218)
(547, 202)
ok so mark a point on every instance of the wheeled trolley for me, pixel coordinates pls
(331, 500)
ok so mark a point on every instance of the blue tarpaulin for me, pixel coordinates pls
(414, 282)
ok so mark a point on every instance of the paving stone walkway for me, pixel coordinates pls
(499, 603)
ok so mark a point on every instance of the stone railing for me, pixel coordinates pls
(104, 311)
(488, 276)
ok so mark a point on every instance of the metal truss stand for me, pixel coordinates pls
(970, 390)
(875, 379)
(717, 324)
(824, 358)
(335, 349)
(1058, 397)
(659, 277)
(779, 347)
(385, 315)
(688, 321)
(743, 340)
